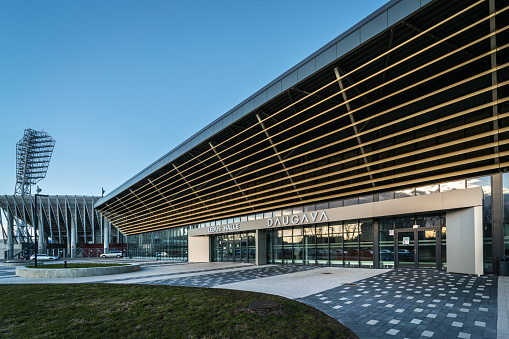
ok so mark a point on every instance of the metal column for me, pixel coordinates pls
(106, 233)
(10, 235)
(73, 238)
(42, 235)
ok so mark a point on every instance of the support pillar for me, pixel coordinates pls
(73, 239)
(10, 235)
(376, 245)
(42, 235)
(261, 247)
(106, 233)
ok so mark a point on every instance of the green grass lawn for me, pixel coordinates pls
(75, 265)
(134, 311)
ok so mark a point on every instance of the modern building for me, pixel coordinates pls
(388, 147)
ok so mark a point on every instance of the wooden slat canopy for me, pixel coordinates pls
(424, 101)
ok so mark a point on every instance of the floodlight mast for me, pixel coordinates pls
(33, 153)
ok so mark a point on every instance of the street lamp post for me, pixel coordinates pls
(36, 220)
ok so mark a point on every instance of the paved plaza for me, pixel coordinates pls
(373, 303)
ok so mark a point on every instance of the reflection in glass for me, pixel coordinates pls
(309, 245)
(453, 185)
(287, 246)
(322, 206)
(366, 243)
(428, 220)
(287, 232)
(298, 252)
(386, 224)
(351, 244)
(406, 250)
(336, 243)
(404, 222)
(336, 203)
(385, 196)
(351, 201)
(404, 193)
(270, 247)
(484, 182)
(427, 250)
(322, 244)
(386, 243)
(252, 246)
(298, 210)
(366, 199)
(426, 190)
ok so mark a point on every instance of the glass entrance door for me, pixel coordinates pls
(427, 249)
(406, 249)
(231, 252)
(234, 248)
(237, 250)
(417, 248)
(243, 251)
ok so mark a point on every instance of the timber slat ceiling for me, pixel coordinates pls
(424, 101)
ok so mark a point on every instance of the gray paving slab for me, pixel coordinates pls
(413, 303)
(503, 308)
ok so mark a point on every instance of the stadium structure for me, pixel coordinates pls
(67, 226)
(388, 147)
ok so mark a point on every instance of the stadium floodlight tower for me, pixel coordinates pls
(33, 153)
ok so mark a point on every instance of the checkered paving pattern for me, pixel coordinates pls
(166, 275)
(224, 276)
(414, 304)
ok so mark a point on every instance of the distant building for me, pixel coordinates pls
(68, 226)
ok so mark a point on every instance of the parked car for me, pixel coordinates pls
(112, 254)
(42, 256)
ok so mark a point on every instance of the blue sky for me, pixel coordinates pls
(120, 83)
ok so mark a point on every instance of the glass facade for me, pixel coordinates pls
(420, 241)
(169, 244)
(234, 247)
(348, 243)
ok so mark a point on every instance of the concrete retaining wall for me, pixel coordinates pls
(24, 272)
(13, 263)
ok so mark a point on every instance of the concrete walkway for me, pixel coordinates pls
(379, 304)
